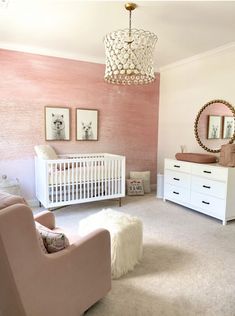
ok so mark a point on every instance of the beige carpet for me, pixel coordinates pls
(188, 267)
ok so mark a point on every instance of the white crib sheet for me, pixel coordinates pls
(81, 175)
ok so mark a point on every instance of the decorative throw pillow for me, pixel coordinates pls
(42, 246)
(7, 199)
(45, 152)
(53, 241)
(135, 187)
(145, 176)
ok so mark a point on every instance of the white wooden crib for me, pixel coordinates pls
(74, 178)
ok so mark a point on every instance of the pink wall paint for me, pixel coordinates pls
(128, 115)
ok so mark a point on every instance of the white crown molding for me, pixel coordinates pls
(50, 53)
(191, 59)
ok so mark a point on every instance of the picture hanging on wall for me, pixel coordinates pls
(57, 123)
(87, 124)
(214, 127)
(228, 129)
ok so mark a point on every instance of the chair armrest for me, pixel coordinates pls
(45, 218)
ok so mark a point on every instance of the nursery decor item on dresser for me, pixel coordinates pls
(227, 155)
(209, 189)
(209, 131)
(77, 178)
(57, 123)
(195, 157)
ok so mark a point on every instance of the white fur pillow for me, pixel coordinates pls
(45, 152)
(143, 175)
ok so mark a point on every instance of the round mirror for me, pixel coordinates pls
(214, 125)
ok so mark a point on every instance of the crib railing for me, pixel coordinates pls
(79, 178)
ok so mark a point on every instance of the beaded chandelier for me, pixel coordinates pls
(129, 55)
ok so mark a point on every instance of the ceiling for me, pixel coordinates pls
(75, 29)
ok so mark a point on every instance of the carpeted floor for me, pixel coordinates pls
(188, 266)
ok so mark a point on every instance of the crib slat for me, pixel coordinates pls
(76, 166)
(83, 180)
(98, 166)
(92, 177)
(115, 176)
(109, 177)
(87, 178)
(64, 191)
(80, 181)
(112, 177)
(102, 177)
(72, 184)
(56, 182)
(60, 186)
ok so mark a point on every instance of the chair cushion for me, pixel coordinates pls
(53, 241)
(7, 199)
(145, 176)
(45, 152)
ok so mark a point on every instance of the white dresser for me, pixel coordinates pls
(207, 188)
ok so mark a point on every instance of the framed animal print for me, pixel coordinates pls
(86, 124)
(57, 123)
(214, 126)
(228, 127)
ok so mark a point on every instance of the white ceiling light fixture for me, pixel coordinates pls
(129, 55)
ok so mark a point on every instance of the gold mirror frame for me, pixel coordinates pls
(197, 120)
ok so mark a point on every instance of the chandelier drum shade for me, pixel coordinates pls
(129, 55)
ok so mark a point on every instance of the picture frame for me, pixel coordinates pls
(86, 124)
(214, 126)
(57, 123)
(228, 127)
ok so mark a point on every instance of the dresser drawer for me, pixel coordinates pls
(180, 166)
(175, 193)
(177, 178)
(209, 205)
(210, 172)
(205, 186)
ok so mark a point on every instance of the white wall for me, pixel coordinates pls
(184, 88)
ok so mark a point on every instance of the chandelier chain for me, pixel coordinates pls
(130, 23)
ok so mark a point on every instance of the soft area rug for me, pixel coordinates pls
(188, 265)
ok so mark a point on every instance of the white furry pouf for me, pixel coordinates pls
(126, 238)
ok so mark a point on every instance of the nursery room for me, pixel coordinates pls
(117, 166)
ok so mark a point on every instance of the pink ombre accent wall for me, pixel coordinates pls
(128, 115)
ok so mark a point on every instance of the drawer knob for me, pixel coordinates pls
(176, 179)
(206, 186)
(175, 192)
(204, 202)
(205, 171)
(176, 166)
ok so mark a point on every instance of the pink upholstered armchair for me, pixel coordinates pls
(65, 283)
